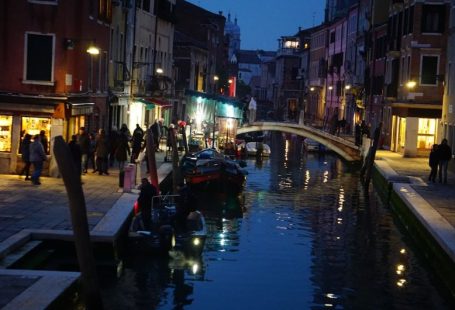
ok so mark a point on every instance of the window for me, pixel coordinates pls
(426, 133)
(429, 70)
(40, 57)
(6, 123)
(146, 5)
(105, 10)
(332, 37)
(433, 18)
(33, 126)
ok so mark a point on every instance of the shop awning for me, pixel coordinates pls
(413, 105)
(163, 103)
(81, 108)
(148, 104)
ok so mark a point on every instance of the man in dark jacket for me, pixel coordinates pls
(84, 142)
(444, 155)
(433, 163)
(76, 153)
(148, 191)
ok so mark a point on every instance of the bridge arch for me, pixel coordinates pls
(345, 149)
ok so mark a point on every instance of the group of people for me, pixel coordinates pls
(440, 156)
(34, 153)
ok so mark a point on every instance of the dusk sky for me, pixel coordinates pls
(263, 22)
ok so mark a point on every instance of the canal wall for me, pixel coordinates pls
(433, 235)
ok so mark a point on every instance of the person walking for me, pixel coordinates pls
(101, 152)
(25, 151)
(37, 158)
(91, 153)
(444, 155)
(44, 141)
(113, 141)
(84, 143)
(76, 154)
(433, 162)
(148, 191)
(252, 108)
(156, 131)
(122, 151)
(136, 145)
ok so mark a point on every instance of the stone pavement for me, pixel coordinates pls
(43, 210)
(440, 196)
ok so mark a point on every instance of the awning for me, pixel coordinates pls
(160, 102)
(81, 108)
(413, 105)
(148, 104)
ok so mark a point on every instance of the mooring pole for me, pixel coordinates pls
(372, 154)
(175, 162)
(85, 257)
(150, 149)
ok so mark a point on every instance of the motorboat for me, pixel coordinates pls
(313, 146)
(167, 232)
(257, 148)
(209, 167)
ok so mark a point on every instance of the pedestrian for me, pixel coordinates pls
(91, 153)
(138, 130)
(156, 131)
(113, 141)
(136, 145)
(148, 191)
(122, 151)
(433, 162)
(84, 143)
(101, 152)
(37, 158)
(358, 134)
(25, 151)
(252, 108)
(76, 154)
(44, 141)
(444, 155)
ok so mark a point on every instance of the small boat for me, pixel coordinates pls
(167, 233)
(209, 167)
(253, 147)
(313, 146)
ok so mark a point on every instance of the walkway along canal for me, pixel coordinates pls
(304, 234)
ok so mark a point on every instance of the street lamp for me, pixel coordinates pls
(93, 50)
(311, 88)
(159, 70)
(411, 84)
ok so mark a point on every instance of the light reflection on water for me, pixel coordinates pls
(303, 235)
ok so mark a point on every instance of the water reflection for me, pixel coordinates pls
(304, 235)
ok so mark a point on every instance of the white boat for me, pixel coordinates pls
(252, 148)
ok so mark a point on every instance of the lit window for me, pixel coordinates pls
(6, 123)
(426, 133)
(34, 125)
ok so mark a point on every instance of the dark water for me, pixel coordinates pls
(304, 235)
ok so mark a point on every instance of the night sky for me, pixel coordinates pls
(263, 22)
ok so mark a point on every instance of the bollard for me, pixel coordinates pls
(129, 178)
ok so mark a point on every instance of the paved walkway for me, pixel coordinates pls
(44, 210)
(440, 196)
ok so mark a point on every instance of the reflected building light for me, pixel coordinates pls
(328, 305)
(286, 150)
(331, 296)
(403, 251)
(400, 267)
(401, 282)
(340, 209)
(338, 238)
(326, 176)
(195, 268)
(307, 179)
(223, 242)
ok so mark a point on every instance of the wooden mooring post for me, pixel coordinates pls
(367, 168)
(78, 211)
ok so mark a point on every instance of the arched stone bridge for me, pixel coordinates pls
(342, 147)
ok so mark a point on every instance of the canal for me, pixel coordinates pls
(304, 234)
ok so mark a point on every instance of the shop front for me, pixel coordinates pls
(213, 120)
(28, 115)
(414, 128)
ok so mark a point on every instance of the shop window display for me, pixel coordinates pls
(34, 125)
(426, 135)
(6, 124)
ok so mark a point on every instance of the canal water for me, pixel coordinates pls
(304, 234)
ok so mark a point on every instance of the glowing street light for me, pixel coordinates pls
(347, 87)
(216, 78)
(159, 70)
(330, 87)
(311, 88)
(93, 50)
(411, 84)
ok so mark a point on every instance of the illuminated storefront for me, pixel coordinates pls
(6, 124)
(208, 113)
(414, 131)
